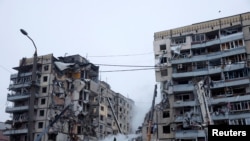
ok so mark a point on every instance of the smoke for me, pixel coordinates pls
(120, 137)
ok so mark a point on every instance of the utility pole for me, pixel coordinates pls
(151, 114)
(30, 136)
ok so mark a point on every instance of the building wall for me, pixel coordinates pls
(63, 81)
(177, 88)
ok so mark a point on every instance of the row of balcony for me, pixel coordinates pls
(11, 109)
(216, 84)
(225, 116)
(210, 70)
(189, 134)
(222, 39)
(212, 101)
(211, 56)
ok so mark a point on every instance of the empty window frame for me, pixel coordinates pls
(45, 78)
(201, 65)
(163, 60)
(46, 67)
(40, 125)
(163, 47)
(198, 38)
(165, 114)
(166, 129)
(41, 113)
(164, 72)
(178, 40)
(43, 101)
(102, 108)
(44, 89)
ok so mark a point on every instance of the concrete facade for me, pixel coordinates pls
(69, 80)
(215, 51)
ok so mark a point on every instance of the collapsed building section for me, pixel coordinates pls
(70, 81)
(203, 70)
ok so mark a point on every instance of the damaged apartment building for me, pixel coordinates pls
(204, 61)
(70, 103)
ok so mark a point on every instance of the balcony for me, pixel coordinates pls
(231, 116)
(181, 118)
(17, 97)
(192, 73)
(17, 131)
(27, 74)
(233, 82)
(12, 109)
(222, 39)
(189, 134)
(211, 70)
(215, 55)
(184, 103)
(231, 37)
(183, 88)
(21, 85)
(229, 99)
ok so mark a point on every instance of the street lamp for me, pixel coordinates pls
(26, 34)
(32, 91)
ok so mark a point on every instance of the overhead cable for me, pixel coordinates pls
(122, 55)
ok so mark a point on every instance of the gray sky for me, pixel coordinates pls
(100, 28)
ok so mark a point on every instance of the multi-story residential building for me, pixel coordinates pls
(215, 52)
(66, 91)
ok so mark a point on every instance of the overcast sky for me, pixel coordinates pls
(114, 32)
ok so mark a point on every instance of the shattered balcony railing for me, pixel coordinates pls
(183, 87)
(211, 70)
(233, 82)
(184, 103)
(216, 84)
(18, 96)
(211, 56)
(190, 134)
(222, 39)
(11, 109)
(225, 100)
(23, 84)
(182, 118)
(17, 131)
(229, 115)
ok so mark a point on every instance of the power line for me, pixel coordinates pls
(5, 69)
(122, 65)
(122, 55)
(127, 70)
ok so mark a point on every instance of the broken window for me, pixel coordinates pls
(198, 38)
(166, 129)
(231, 30)
(41, 113)
(44, 90)
(212, 35)
(46, 68)
(201, 65)
(102, 108)
(163, 47)
(199, 51)
(43, 101)
(163, 60)
(101, 117)
(164, 72)
(178, 40)
(40, 125)
(213, 49)
(45, 78)
(165, 114)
